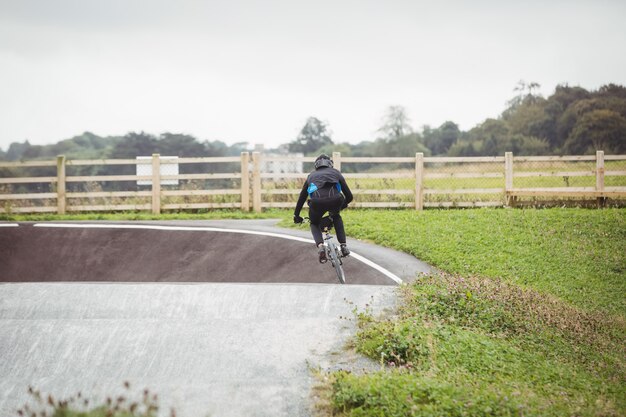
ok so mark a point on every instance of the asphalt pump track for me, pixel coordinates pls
(220, 318)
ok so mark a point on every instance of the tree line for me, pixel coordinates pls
(91, 146)
(572, 120)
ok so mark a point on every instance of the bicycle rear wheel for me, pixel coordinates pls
(335, 260)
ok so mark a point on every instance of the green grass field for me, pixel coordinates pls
(208, 215)
(578, 255)
(528, 319)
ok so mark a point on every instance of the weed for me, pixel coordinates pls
(79, 406)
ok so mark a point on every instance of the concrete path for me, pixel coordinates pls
(206, 349)
(226, 329)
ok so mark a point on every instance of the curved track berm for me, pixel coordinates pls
(66, 254)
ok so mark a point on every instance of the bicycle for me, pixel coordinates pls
(333, 250)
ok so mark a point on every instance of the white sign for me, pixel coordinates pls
(168, 166)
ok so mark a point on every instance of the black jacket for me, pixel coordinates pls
(320, 184)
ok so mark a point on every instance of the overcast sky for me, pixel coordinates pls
(254, 71)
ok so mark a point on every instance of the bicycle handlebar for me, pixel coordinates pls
(326, 223)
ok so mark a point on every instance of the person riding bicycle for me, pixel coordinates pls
(327, 191)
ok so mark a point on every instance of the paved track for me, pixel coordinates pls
(182, 252)
(216, 349)
(213, 347)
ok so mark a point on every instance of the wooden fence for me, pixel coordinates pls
(153, 198)
(263, 181)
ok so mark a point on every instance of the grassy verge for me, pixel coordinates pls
(481, 347)
(577, 255)
(528, 320)
(209, 215)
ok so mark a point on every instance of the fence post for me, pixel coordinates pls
(600, 177)
(61, 201)
(245, 181)
(508, 178)
(256, 182)
(419, 181)
(337, 160)
(156, 183)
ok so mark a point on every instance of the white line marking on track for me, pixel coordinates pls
(376, 267)
(356, 256)
(9, 225)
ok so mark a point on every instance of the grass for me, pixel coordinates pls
(481, 347)
(142, 215)
(528, 320)
(577, 255)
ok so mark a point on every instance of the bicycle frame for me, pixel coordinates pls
(333, 251)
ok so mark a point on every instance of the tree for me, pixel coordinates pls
(524, 93)
(407, 145)
(554, 107)
(529, 119)
(441, 139)
(566, 95)
(612, 90)
(84, 146)
(313, 135)
(528, 87)
(598, 130)
(135, 144)
(488, 138)
(395, 123)
(463, 148)
(177, 144)
(16, 150)
(572, 117)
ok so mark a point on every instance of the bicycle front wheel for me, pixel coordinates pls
(335, 260)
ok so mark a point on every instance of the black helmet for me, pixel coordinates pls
(323, 161)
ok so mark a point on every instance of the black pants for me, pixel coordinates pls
(318, 207)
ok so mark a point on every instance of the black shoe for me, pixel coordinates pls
(344, 250)
(322, 254)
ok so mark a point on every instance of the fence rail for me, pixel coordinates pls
(260, 181)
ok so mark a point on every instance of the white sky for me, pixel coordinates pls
(254, 71)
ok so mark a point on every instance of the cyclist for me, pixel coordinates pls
(327, 191)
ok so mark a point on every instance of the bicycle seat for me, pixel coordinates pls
(326, 223)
